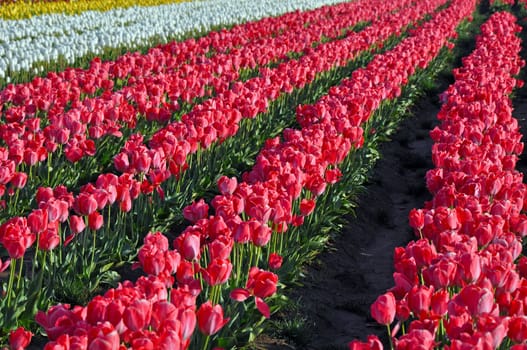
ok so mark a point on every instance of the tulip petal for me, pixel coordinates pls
(262, 307)
(240, 294)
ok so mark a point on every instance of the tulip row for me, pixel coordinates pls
(461, 284)
(104, 78)
(44, 224)
(36, 42)
(11, 10)
(87, 121)
(252, 217)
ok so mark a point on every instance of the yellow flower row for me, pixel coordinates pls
(27, 9)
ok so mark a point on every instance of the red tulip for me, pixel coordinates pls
(95, 220)
(57, 209)
(188, 323)
(189, 245)
(85, 204)
(416, 339)
(242, 233)
(218, 272)
(518, 329)
(114, 313)
(50, 238)
(419, 299)
(373, 343)
(210, 318)
(275, 261)
(16, 237)
(261, 283)
(439, 302)
(332, 176)
(77, 224)
(59, 319)
(37, 220)
(476, 300)
(260, 235)
(220, 248)
(196, 211)
(469, 267)
(19, 339)
(103, 337)
(19, 180)
(138, 314)
(162, 311)
(383, 309)
(96, 310)
(307, 206)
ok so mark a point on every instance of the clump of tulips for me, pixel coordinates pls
(462, 283)
(226, 258)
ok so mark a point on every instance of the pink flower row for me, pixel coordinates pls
(216, 119)
(247, 214)
(461, 285)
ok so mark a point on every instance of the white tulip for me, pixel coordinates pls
(48, 36)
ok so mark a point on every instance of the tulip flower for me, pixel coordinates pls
(227, 185)
(307, 206)
(383, 309)
(137, 315)
(373, 343)
(59, 319)
(195, 211)
(210, 318)
(19, 339)
(218, 272)
(275, 261)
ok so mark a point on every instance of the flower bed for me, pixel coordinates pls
(61, 217)
(245, 228)
(461, 284)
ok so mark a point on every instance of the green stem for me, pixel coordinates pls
(388, 328)
(12, 271)
(206, 343)
(94, 233)
(60, 244)
(35, 259)
(19, 276)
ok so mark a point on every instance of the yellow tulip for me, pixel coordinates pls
(27, 9)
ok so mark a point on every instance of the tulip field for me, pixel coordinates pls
(169, 168)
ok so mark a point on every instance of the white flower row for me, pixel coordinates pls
(46, 38)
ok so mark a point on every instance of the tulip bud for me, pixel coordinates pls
(210, 318)
(275, 261)
(383, 309)
(227, 185)
(19, 339)
(307, 206)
